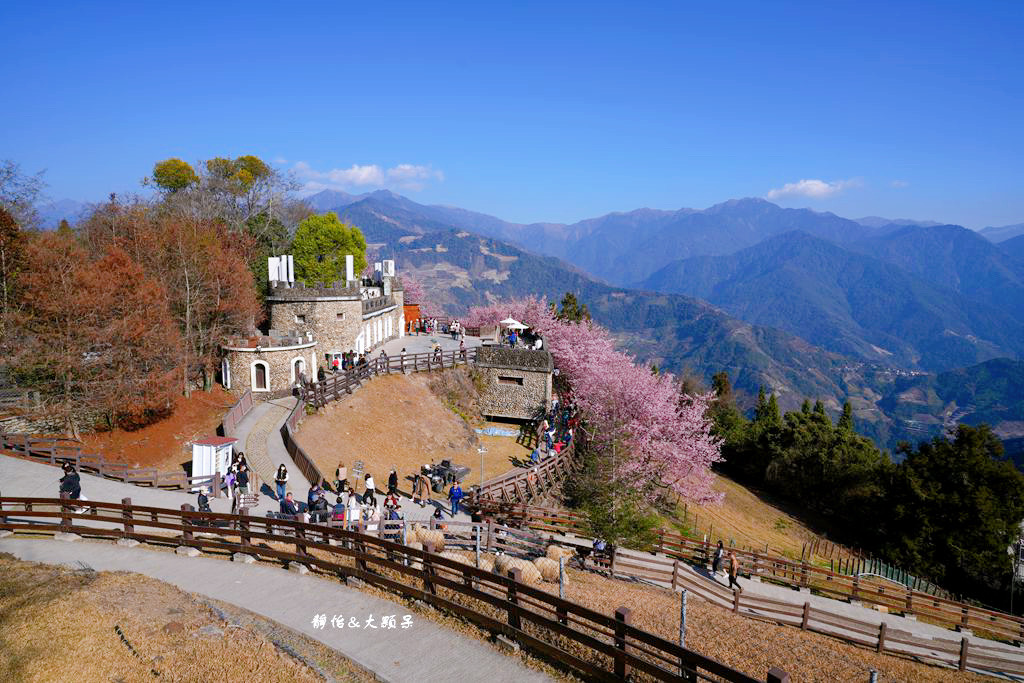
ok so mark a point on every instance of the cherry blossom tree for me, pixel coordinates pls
(654, 442)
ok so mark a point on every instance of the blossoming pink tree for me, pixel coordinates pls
(656, 443)
(416, 293)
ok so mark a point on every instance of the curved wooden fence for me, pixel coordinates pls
(591, 644)
(54, 450)
(871, 590)
(236, 414)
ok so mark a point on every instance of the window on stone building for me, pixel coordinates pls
(340, 316)
(510, 380)
(300, 319)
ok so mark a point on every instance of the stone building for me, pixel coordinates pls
(312, 326)
(517, 381)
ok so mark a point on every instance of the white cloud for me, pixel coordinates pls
(814, 189)
(899, 184)
(403, 177)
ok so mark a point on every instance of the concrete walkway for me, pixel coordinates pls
(23, 478)
(422, 652)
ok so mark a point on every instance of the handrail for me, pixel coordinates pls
(605, 648)
(58, 451)
(236, 413)
(782, 570)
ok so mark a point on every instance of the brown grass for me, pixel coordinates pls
(57, 625)
(397, 421)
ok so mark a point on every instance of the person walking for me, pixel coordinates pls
(455, 495)
(423, 487)
(717, 561)
(369, 496)
(281, 480)
(393, 482)
(734, 570)
(341, 478)
(243, 480)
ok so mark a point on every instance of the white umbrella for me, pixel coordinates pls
(518, 326)
(510, 321)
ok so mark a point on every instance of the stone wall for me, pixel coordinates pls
(517, 382)
(279, 364)
(333, 324)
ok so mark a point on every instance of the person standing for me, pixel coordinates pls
(281, 480)
(423, 485)
(243, 479)
(289, 507)
(341, 478)
(734, 570)
(392, 482)
(455, 495)
(717, 561)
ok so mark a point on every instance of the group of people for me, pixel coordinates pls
(431, 326)
(238, 480)
(733, 568)
(555, 428)
(349, 360)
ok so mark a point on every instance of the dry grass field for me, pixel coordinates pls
(397, 421)
(58, 624)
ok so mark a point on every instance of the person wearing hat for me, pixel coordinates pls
(393, 482)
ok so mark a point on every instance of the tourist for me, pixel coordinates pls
(341, 478)
(512, 338)
(734, 570)
(229, 483)
(423, 489)
(368, 483)
(437, 513)
(535, 456)
(314, 493)
(203, 501)
(319, 510)
(71, 483)
(243, 479)
(455, 495)
(392, 481)
(281, 480)
(353, 509)
(289, 507)
(717, 562)
(462, 349)
(391, 502)
(338, 512)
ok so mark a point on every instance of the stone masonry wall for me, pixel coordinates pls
(334, 324)
(521, 402)
(279, 365)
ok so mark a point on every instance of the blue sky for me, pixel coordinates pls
(537, 111)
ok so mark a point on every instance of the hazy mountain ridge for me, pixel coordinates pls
(846, 302)
(1002, 233)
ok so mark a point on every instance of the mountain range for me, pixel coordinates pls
(804, 303)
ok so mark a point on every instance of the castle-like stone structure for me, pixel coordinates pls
(310, 327)
(517, 382)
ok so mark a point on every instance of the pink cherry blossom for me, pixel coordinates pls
(659, 442)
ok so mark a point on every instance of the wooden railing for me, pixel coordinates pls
(895, 597)
(236, 413)
(593, 645)
(57, 451)
(335, 385)
(526, 484)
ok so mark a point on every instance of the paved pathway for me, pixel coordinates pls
(264, 433)
(422, 652)
(22, 478)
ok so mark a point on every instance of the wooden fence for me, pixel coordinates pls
(236, 413)
(866, 589)
(57, 451)
(526, 484)
(593, 645)
(336, 385)
(491, 537)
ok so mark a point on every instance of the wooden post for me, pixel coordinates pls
(243, 526)
(126, 517)
(806, 616)
(490, 535)
(622, 618)
(881, 637)
(675, 574)
(186, 534)
(682, 619)
(513, 601)
(910, 602)
(736, 602)
(65, 515)
(428, 569)
(777, 675)
(964, 645)
(561, 577)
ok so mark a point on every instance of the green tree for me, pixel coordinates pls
(571, 310)
(846, 419)
(320, 245)
(64, 227)
(955, 506)
(174, 175)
